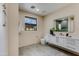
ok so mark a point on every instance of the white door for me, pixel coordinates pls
(3, 32)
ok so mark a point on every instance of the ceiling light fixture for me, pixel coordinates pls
(37, 9)
(33, 7)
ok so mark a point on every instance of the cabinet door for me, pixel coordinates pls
(71, 43)
(77, 45)
(77, 42)
(53, 39)
(57, 41)
(62, 41)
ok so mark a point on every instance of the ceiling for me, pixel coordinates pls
(41, 9)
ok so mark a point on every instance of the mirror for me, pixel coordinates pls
(64, 24)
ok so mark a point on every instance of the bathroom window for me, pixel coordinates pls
(30, 23)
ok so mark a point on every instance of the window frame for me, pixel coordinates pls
(33, 19)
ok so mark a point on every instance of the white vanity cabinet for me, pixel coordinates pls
(70, 43)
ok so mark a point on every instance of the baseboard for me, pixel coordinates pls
(28, 44)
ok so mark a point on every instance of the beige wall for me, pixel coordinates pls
(30, 37)
(66, 11)
(12, 17)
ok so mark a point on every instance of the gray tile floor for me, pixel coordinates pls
(40, 50)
